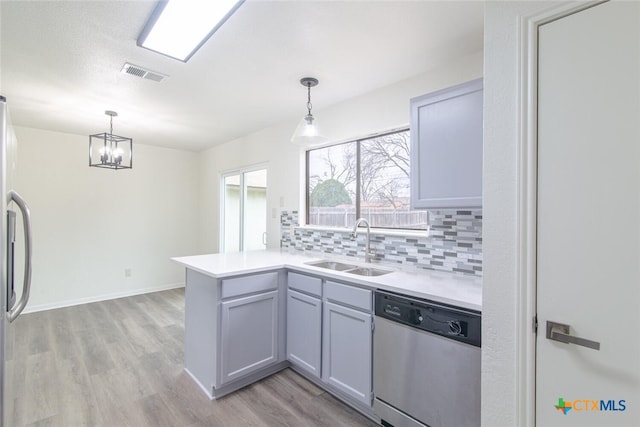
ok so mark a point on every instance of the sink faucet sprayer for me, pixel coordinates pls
(367, 253)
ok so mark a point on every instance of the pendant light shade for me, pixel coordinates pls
(110, 151)
(308, 132)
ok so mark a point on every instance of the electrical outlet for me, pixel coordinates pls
(292, 232)
(127, 272)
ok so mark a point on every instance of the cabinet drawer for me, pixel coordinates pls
(249, 284)
(306, 284)
(349, 295)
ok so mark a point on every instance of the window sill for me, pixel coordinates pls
(381, 231)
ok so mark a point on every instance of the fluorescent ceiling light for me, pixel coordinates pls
(178, 28)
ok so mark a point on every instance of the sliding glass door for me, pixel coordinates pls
(244, 210)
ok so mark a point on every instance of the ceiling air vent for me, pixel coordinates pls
(138, 71)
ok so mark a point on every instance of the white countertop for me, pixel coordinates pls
(449, 288)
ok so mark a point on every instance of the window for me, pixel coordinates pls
(244, 211)
(365, 178)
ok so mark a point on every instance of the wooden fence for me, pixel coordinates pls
(378, 217)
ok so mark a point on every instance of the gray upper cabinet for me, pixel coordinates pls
(446, 148)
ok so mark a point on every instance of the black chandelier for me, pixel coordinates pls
(110, 151)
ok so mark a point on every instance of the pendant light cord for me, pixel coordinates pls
(309, 98)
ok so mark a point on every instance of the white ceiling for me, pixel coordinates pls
(61, 63)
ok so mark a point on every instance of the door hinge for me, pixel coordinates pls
(373, 324)
(373, 396)
(535, 324)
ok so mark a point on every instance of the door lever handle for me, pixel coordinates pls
(560, 332)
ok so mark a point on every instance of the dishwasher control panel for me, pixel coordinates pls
(451, 322)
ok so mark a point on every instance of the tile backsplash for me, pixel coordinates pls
(454, 242)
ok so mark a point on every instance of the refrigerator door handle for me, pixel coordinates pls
(15, 311)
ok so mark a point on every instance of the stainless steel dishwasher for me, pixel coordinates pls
(426, 363)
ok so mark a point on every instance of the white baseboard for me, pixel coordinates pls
(97, 298)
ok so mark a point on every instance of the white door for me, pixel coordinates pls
(588, 223)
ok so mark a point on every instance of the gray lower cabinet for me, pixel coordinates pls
(304, 331)
(347, 341)
(234, 329)
(304, 322)
(249, 334)
(235, 332)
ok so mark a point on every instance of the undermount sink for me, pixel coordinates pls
(332, 265)
(349, 268)
(366, 271)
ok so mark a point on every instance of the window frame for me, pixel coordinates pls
(358, 142)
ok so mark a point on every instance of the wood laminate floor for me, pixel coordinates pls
(119, 363)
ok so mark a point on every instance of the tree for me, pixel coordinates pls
(334, 163)
(384, 170)
(383, 166)
(329, 193)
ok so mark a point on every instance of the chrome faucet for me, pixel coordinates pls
(367, 253)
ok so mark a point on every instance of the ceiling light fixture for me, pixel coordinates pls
(307, 133)
(178, 28)
(110, 151)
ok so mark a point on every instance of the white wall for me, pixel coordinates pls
(500, 401)
(381, 110)
(90, 224)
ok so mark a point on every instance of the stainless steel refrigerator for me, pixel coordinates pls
(14, 299)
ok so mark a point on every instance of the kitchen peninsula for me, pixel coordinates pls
(251, 314)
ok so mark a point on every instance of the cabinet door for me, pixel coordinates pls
(249, 334)
(446, 148)
(304, 331)
(346, 356)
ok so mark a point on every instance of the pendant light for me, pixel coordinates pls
(307, 133)
(110, 151)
